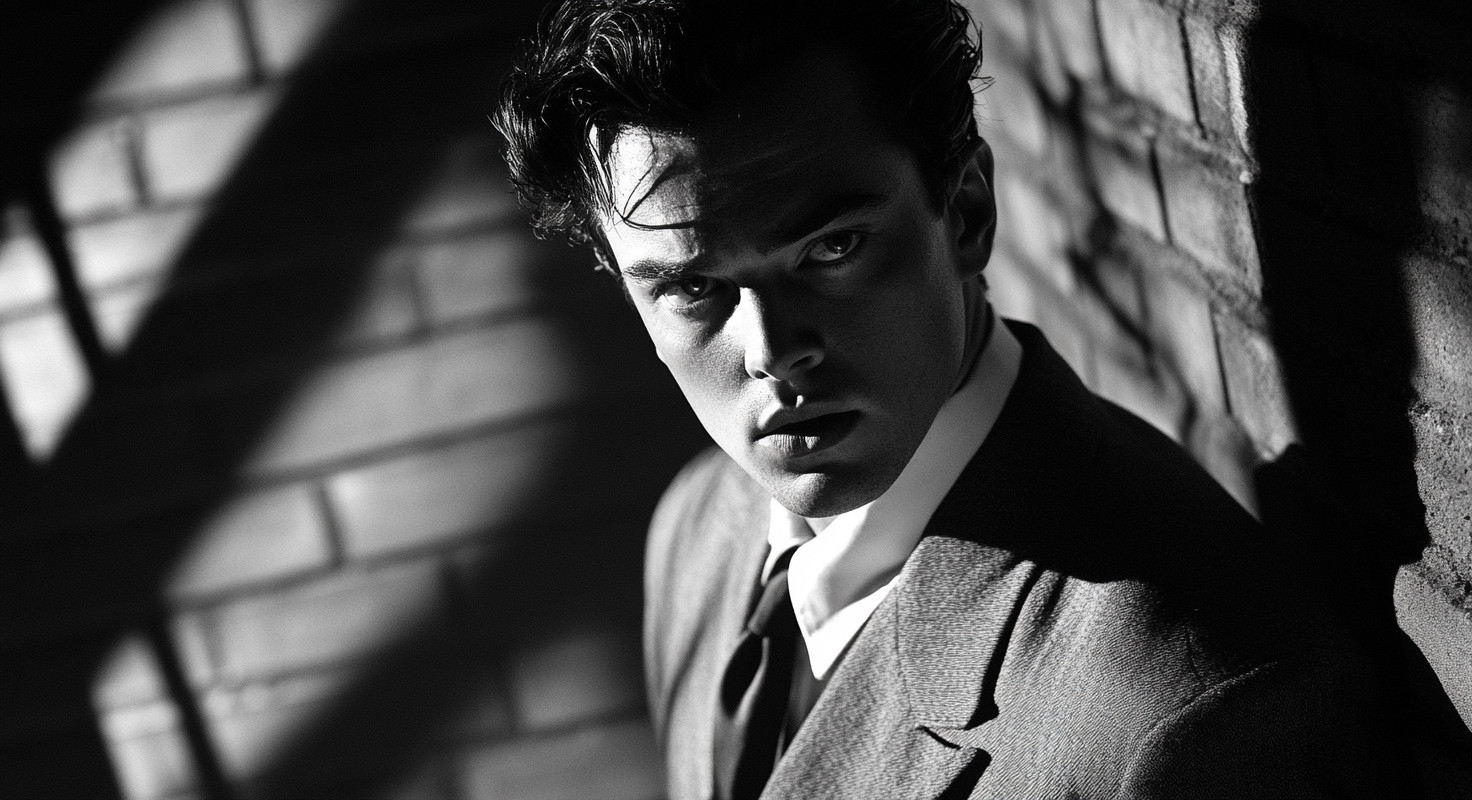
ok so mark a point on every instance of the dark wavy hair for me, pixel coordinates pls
(596, 66)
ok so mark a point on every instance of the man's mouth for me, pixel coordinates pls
(810, 435)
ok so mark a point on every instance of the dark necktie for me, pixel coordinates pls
(754, 692)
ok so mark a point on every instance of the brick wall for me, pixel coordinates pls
(1249, 225)
(353, 505)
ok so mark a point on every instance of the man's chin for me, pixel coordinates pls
(823, 493)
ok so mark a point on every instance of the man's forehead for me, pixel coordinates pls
(654, 178)
(668, 195)
(653, 188)
(803, 123)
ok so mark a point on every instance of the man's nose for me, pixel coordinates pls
(780, 339)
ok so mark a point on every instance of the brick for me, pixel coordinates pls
(1180, 326)
(90, 171)
(128, 247)
(1146, 54)
(1070, 30)
(1221, 446)
(1115, 283)
(444, 384)
(438, 495)
(1010, 107)
(1218, 55)
(286, 30)
(470, 188)
(1009, 288)
(1156, 402)
(1059, 319)
(243, 318)
(250, 723)
(1209, 217)
(189, 150)
(44, 377)
(581, 676)
(149, 752)
(1001, 19)
(328, 620)
(26, 278)
(437, 706)
(427, 782)
(120, 312)
(1126, 183)
(479, 274)
(485, 711)
(185, 45)
(1442, 632)
(1256, 394)
(1029, 222)
(258, 537)
(192, 634)
(1122, 373)
(128, 676)
(612, 762)
(388, 304)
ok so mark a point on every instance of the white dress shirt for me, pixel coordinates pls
(839, 576)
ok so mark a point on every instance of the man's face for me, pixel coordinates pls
(800, 280)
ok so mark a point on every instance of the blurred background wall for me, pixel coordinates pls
(321, 477)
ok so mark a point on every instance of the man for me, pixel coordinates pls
(925, 561)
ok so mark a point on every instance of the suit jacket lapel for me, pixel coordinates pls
(968, 579)
(934, 649)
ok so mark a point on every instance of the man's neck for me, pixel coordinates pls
(978, 329)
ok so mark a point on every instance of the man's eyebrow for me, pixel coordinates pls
(654, 271)
(807, 220)
(814, 217)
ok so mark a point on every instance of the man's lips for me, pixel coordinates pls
(803, 436)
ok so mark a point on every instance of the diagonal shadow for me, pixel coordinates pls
(268, 277)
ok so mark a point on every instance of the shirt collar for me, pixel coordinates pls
(837, 578)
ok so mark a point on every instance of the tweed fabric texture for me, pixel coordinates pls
(1088, 615)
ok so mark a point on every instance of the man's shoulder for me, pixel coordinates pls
(711, 504)
(708, 483)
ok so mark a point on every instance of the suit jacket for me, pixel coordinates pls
(1088, 615)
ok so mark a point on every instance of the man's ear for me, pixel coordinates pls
(971, 207)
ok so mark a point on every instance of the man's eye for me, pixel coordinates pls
(834, 247)
(688, 290)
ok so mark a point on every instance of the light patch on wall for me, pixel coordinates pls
(140, 726)
(254, 722)
(25, 272)
(257, 537)
(468, 189)
(119, 313)
(114, 251)
(288, 30)
(190, 149)
(181, 46)
(450, 383)
(46, 380)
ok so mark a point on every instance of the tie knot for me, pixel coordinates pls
(773, 615)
